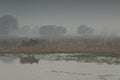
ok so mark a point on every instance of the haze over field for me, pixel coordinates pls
(101, 15)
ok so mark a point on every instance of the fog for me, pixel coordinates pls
(103, 16)
(9, 27)
(84, 30)
(52, 31)
(8, 24)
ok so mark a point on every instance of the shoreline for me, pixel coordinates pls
(91, 53)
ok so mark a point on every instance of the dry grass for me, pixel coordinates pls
(65, 46)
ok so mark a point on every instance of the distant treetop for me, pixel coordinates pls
(8, 23)
(85, 30)
(52, 30)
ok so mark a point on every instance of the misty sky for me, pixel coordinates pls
(100, 14)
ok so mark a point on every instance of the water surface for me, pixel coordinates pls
(59, 67)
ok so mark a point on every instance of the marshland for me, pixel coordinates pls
(59, 40)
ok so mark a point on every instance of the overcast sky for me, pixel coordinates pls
(101, 14)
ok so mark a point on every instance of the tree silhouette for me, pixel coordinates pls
(52, 31)
(85, 30)
(8, 23)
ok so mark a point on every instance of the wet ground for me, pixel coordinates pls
(59, 66)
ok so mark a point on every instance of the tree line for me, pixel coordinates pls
(9, 24)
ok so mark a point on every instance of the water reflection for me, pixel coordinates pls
(78, 57)
(70, 73)
(104, 77)
(30, 59)
(59, 66)
(7, 58)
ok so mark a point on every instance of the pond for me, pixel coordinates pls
(59, 66)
